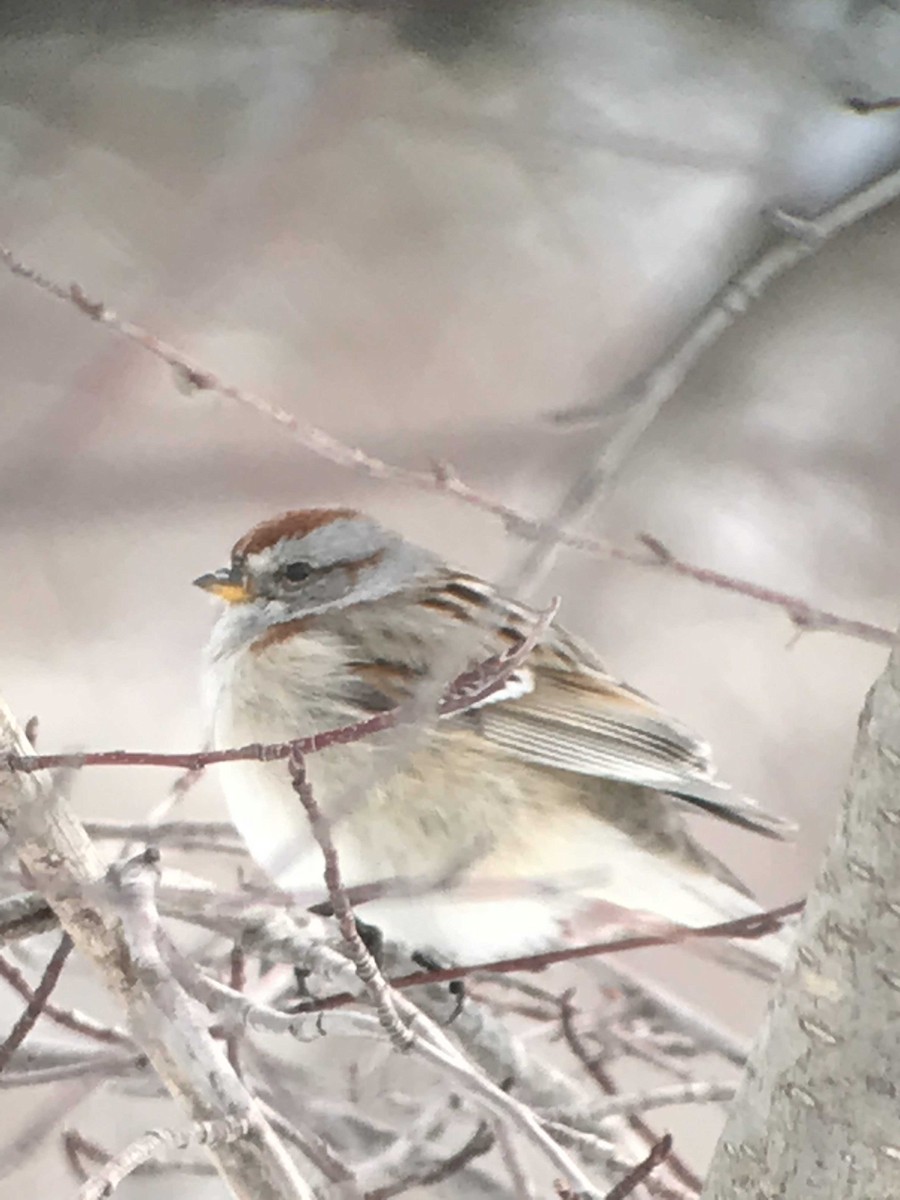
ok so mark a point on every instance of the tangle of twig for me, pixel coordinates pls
(36, 1004)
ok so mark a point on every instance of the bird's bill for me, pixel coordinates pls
(226, 584)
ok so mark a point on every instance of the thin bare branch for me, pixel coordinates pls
(35, 1006)
(20, 1146)
(691, 1091)
(592, 1064)
(595, 1149)
(706, 1034)
(523, 1185)
(802, 237)
(157, 1143)
(470, 688)
(55, 1052)
(237, 979)
(366, 967)
(316, 1149)
(77, 1147)
(865, 107)
(636, 406)
(805, 617)
(68, 1019)
(497, 1050)
(254, 751)
(165, 833)
(412, 1151)
(427, 1042)
(498, 1103)
(268, 930)
(478, 1144)
(102, 1066)
(654, 386)
(637, 1175)
(753, 926)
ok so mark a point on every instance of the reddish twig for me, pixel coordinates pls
(195, 376)
(441, 478)
(805, 617)
(68, 1020)
(195, 759)
(754, 926)
(864, 107)
(592, 1064)
(77, 1147)
(472, 687)
(660, 1152)
(38, 1001)
(363, 961)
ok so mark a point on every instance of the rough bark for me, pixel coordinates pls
(819, 1110)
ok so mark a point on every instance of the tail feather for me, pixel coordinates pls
(719, 800)
(677, 898)
(762, 956)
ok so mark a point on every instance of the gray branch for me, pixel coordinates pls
(818, 1113)
(55, 849)
(155, 1144)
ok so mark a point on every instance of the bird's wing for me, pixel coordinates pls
(561, 708)
(579, 718)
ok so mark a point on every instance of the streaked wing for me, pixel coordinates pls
(565, 710)
(579, 719)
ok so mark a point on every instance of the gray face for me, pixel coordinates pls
(332, 565)
(348, 560)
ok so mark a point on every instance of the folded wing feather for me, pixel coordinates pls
(581, 720)
(561, 708)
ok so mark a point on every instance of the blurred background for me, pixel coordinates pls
(432, 228)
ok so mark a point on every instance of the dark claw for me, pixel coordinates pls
(373, 940)
(371, 935)
(456, 987)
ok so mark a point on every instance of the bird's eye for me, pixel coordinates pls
(296, 572)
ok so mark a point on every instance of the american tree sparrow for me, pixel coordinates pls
(558, 799)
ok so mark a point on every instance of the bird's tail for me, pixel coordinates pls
(683, 901)
(762, 942)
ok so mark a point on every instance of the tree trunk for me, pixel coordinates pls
(819, 1110)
